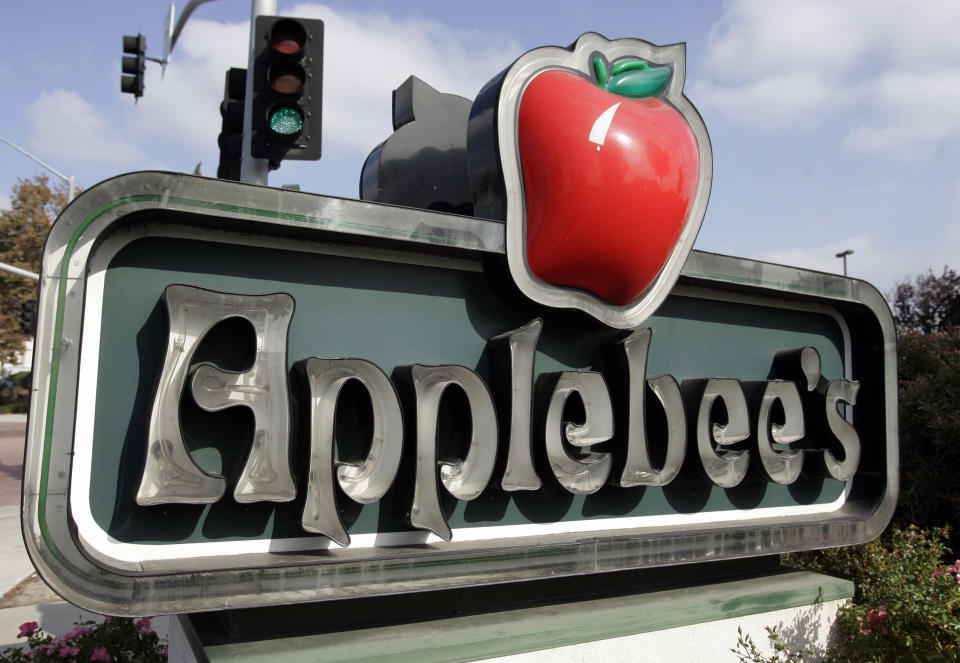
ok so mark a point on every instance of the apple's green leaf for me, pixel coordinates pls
(639, 83)
(627, 65)
(600, 68)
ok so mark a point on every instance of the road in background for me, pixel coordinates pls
(12, 435)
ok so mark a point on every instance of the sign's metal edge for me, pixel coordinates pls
(45, 513)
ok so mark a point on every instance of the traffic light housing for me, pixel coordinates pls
(134, 62)
(230, 139)
(28, 316)
(287, 89)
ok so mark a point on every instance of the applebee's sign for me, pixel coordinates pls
(246, 396)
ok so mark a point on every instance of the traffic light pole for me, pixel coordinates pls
(253, 171)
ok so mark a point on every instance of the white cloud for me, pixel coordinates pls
(772, 101)
(368, 54)
(4, 202)
(870, 261)
(64, 126)
(881, 264)
(183, 105)
(895, 63)
(922, 109)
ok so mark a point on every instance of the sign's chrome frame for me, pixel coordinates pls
(270, 578)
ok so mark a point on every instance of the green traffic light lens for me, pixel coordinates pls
(286, 121)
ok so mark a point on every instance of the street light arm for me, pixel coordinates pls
(18, 271)
(69, 179)
(178, 28)
(53, 170)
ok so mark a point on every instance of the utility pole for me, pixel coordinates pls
(844, 254)
(253, 171)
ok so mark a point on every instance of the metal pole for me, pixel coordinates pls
(844, 254)
(71, 188)
(19, 272)
(178, 28)
(253, 171)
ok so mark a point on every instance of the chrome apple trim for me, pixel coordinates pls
(515, 81)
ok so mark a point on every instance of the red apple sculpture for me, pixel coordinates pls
(608, 180)
(601, 169)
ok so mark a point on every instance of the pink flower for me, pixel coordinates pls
(145, 625)
(937, 572)
(27, 629)
(955, 568)
(68, 650)
(100, 654)
(76, 632)
(876, 616)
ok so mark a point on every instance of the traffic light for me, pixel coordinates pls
(131, 81)
(287, 89)
(28, 316)
(230, 139)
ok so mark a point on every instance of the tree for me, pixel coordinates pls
(930, 430)
(929, 303)
(23, 229)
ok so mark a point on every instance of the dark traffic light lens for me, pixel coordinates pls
(288, 37)
(287, 77)
(285, 120)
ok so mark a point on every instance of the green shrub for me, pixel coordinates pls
(15, 393)
(906, 605)
(116, 640)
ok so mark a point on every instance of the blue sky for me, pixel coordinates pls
(835, 125)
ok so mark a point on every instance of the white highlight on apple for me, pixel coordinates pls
(598, 133)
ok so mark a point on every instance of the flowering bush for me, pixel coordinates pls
(116, 640)
(906, 605)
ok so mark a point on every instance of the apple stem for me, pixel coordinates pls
(627, 65)
(600, 68)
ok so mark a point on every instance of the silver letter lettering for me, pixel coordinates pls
(364, 482)
(638, 468)
(170, 475)
(587, 474)
(512, 357)
(781, 466)
(464, 479)
(842, 391)
(725, 468)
